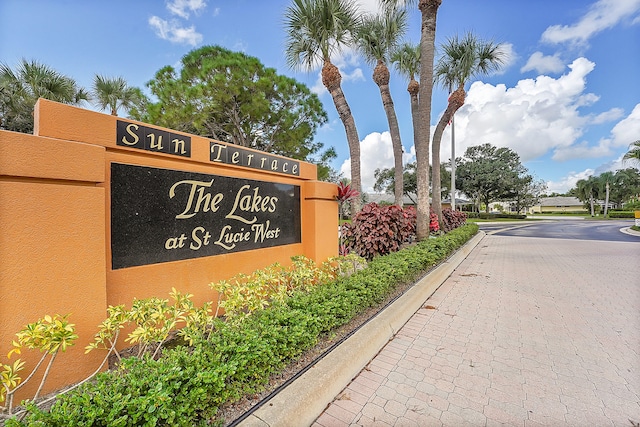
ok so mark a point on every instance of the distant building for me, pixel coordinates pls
(558, 204)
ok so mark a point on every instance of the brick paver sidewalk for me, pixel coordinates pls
(526, 332)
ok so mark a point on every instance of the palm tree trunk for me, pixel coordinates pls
(456, 100)
(429, 12)
(413, 90)
(331, 80)
(606, 200)
(396, 142)
(453, 163)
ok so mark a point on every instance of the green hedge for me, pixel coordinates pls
(620, 214)
(187, 385)
(484, 215)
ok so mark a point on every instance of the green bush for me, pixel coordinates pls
(188, 384)
(620, 214)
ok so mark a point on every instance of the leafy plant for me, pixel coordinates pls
(109, 331)
(49, 335)
(154, 320)
(245, 294)
(379, 230)
(345, 194)
(434, 226)
(453, 219)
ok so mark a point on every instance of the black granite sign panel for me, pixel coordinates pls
(161, 215)
(151, 139)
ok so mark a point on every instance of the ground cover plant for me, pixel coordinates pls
(186, 384)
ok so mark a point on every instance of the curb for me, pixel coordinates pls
(629, 231)
(304, 400)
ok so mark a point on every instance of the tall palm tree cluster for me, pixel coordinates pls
(21, 88)
(316, 29)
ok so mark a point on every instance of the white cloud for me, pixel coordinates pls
(532, 118)
(568, 182)
(369, 6)
(602, 15)
(622, 134)
(183, 8)
(582, 150)
(608, 116)
(509, 58)
(613, 165)
(543, 64)
(376, 152)
(627, 130)
(173, 32)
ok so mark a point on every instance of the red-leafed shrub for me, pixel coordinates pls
(379, 230)
(433, 222)
(453, 219)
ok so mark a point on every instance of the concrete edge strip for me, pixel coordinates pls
(629, 231)
(302, 402)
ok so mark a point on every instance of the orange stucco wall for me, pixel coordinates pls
(55, 236)
(52, 240)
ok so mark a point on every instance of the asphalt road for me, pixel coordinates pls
(565, 229)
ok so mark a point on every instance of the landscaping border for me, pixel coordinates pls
(304, 399)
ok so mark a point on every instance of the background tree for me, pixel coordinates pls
(385, 180)
(587, 191)
(315, 30)
(634, 152)
(487, 173)
(460, 60)
(232, 97)
(527, 192)
(114, 93)
(377, 36)
(322, 161)
(21, 88)
(625, 186)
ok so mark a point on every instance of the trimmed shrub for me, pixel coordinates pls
(621, 214)
(484, 215)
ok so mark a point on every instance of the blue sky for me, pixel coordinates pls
(567, 101)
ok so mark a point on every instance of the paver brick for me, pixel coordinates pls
(526, 332)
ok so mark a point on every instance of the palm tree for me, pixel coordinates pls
(114, 93)
(429, 12)
(21, 89)
(407, 62)
(604, 186)
(377, 37)
(586, 190)
(634, 152)
(461, 59)
(315, 30)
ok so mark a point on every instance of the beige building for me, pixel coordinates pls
(558, 204)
